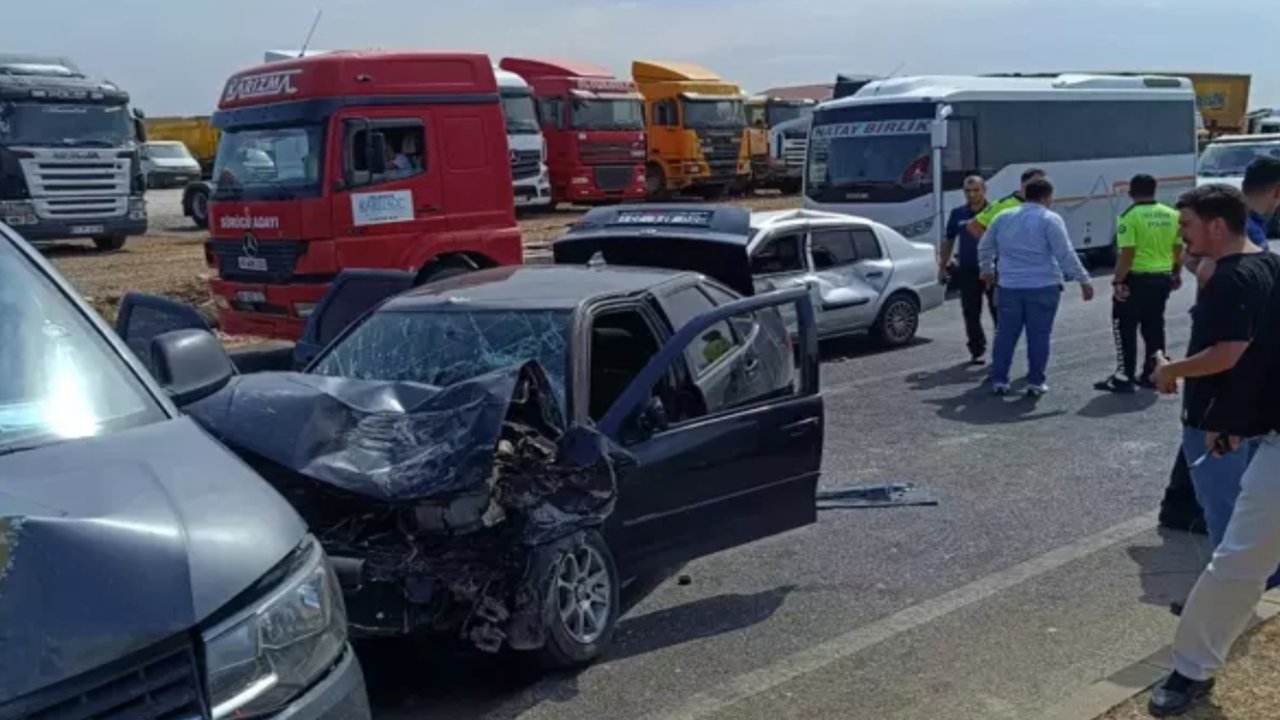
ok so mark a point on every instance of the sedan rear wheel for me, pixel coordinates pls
(899, 320)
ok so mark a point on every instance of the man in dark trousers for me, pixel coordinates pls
(1148, 269)
(964, 270)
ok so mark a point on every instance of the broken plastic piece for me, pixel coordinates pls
(874, 496)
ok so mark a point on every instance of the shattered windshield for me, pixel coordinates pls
(448, 346)
(59, 379)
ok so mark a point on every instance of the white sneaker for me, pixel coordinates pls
(1035, 391)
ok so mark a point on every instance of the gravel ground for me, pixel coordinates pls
(169, 260)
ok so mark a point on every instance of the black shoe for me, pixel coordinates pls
(1115, 384)
(1177, 694)
(1145, 382)
(1176, 607)
(978, 360)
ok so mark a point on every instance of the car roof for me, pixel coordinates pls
(711, 222)
(536, 287)
(1245, 139)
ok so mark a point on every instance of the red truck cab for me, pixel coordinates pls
(594, 127)
(391, 160)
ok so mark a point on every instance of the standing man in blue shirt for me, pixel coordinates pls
(1034, 251)
(965, 272)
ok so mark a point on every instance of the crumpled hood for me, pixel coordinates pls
(109, 545)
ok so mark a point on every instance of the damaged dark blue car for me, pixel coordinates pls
(507, 454)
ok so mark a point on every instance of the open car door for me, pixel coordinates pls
(745, 465)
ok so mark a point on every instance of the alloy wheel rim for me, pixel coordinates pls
(583, 594)
(901, 320)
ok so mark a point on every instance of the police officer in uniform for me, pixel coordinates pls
(1149, 268)
(979, 224)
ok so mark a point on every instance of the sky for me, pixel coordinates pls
(173, 56)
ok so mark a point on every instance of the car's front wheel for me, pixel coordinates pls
(583, 603)
(898, 321)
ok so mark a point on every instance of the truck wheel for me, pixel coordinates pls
(713, 193)
(582, 604)
(199, 201)
(898, 321)
(439, 270)
(110, 243)
(655, 181)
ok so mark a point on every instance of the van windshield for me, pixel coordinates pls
(59, 378)
(273, 163)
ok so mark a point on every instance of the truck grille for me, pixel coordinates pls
(281, 257)
(93, 185)
(614, 177)
(794, 151)
(160, 686)
(525, 164)
(607, 153)
(721, 150)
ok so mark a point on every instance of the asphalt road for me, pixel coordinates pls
(1039, 571)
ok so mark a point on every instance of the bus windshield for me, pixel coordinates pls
(602, 114)
(1230, 159)
(851, 158)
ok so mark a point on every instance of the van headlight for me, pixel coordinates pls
(261, 659)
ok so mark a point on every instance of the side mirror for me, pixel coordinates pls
(190, 365)
(377, 153)
(652, 418)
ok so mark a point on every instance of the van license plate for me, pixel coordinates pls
(87, 229)
(252, 263)
(251, 296)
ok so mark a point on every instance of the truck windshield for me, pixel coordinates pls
(520, 113)
(44, 124)
(713, 114)
(278, 163)
(603, 114)
(1230, 159)
(779, 113)
(446, 347)
(877, 154)
(59, 378)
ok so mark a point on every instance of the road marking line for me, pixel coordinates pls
(817, 657)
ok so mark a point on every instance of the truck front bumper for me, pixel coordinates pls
(341, 695)
(50, 230)
(271, 311)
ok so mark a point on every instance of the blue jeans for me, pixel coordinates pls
(1217, 483)
(1034, 310)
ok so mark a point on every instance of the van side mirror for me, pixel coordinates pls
(377, 153)
(190, 365)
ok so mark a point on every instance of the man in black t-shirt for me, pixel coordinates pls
(1233, 337)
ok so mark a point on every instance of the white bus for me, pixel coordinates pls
(875, 153)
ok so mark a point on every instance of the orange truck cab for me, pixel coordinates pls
(696, 126)
(594, 127)
(394, 160)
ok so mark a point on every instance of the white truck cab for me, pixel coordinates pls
(531, 181)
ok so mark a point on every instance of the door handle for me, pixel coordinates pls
(874, 274)
(752, 366)
(800, 427)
